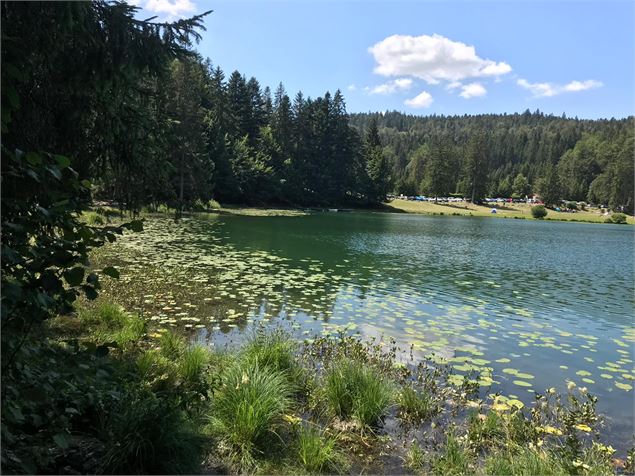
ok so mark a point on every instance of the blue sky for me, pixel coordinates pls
(435, 57)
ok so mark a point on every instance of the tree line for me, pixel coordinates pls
(150, 125)
(509, 155)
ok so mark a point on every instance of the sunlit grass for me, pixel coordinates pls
(353, 389)
(503, 210)
(248, 408)
(317, 452)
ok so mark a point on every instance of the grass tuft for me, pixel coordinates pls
(109, 322)
(144, 434)
(353, 389)
(317, 451)
(248, 409)
(416, 406)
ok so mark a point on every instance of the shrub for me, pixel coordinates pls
(248, 408)
(538, 211)
(316, 451)
(357, 390)
(144, 434)
(572, 205)
(416, 406)
(618, 218)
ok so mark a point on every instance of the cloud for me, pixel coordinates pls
(432, 58)
(422, 100)
(473, 90)
(390, 87)
(171, 8)
(540, 90)
(575, 86)
(453, 85)
(351, 87)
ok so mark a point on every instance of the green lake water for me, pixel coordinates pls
(522, 305)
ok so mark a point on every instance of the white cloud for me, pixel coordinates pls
(575, 86)
(351, 87)
(473, 90)
(390, 87)
(453, 85)
(540, 90)
(422, 100)
(432, 58)
(171, 8)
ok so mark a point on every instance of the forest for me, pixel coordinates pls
(150, 127)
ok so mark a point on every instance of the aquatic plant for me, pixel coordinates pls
(416, 406)
(248, 408)
(353, 389)
(317, 452)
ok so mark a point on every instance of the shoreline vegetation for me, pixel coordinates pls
(332, 404)
(464, 209)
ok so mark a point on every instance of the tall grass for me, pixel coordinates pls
(248, 409)
(317, 451)
(416, 406)
(172, 345)
(145, 434)
(454, 460)
(109, 322)
(353, 389)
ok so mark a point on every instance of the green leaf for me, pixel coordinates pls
(62, 160)
(62, 440)
(86, 183)
(74, 276)
(111, 271)
(33, 158)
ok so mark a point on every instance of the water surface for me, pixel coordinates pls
(520, 305)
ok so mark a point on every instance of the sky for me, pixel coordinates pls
(429, 57)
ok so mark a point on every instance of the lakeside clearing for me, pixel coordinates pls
(503, 210)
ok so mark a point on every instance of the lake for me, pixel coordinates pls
(521, 305)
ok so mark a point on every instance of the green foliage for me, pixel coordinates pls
(172, 345)
(144, 434)
(520, 187)
(317, 452)
(549, 187)
(248, 408)
(415, 457)
(523, 462)
(108, 323)
(538, 211)
(618, 218)
(454, 459)
(275, 351)
(416, 406)
(353, 389)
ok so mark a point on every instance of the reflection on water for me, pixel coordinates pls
(522, 305)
